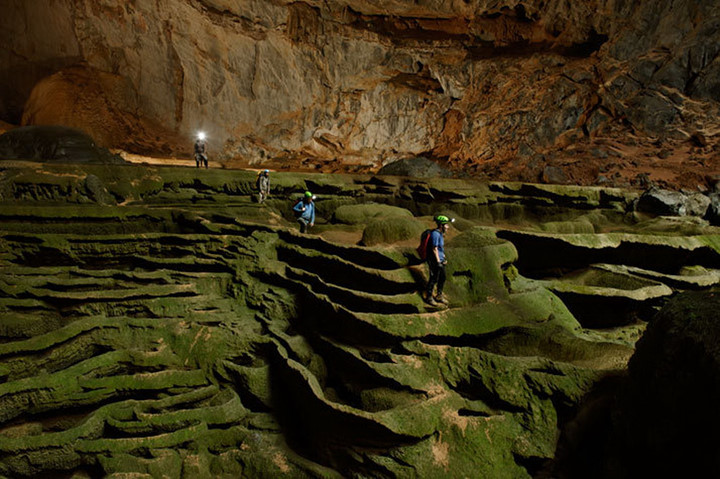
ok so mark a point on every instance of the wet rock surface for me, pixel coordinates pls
(184, 328)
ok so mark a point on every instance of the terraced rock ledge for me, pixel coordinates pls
(157, 322)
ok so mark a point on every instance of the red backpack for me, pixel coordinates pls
(422, 249)
(295, 212)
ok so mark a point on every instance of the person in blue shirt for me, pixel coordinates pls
(305, 212)
(436, 261)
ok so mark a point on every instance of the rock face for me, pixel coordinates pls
(503, 88)
(674, 383)
(655, 421)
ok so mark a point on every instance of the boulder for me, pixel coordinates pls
(654, 420)
(555, 175)
(651, 112)
(697, 204)
(416, 168)
(53, 143)
(713, 211)
(663, 202)
(672, 203)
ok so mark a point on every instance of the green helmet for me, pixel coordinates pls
(443, 220)
(308, 194)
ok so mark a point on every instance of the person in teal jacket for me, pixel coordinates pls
(305, 212)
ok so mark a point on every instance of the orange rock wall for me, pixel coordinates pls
(497, 88)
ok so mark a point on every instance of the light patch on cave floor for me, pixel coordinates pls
(345, 237)
(281, 462)
(441, 452)
(59, 174)
(193, 460)
(440, 349)
(490, 421)
(454, 418)
(195, 340)
(435, 390)
(413, 361)
(172, 161)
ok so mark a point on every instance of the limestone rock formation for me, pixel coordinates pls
(594, 91)
(158, 321)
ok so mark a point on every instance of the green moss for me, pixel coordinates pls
(419, 419)
(391, 230)
(607, 278)
(163, 339)
(568, 227)
(477, 320)
(463, 451)
(364, 213)
(230, 411)
(345, 273)
(542, 306)
(379, 399)
(713, 241)
(476, 260)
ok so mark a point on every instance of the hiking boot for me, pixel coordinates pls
(441, 298)
(430, 301)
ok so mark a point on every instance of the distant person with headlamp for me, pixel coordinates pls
(201, 151)
(262, 184)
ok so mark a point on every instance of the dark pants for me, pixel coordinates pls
(437, 277)
(200, 159)
(303, 224)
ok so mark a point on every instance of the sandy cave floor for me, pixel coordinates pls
(635, 163)
(685, 167)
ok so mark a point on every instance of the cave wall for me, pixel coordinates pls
(467, 81)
